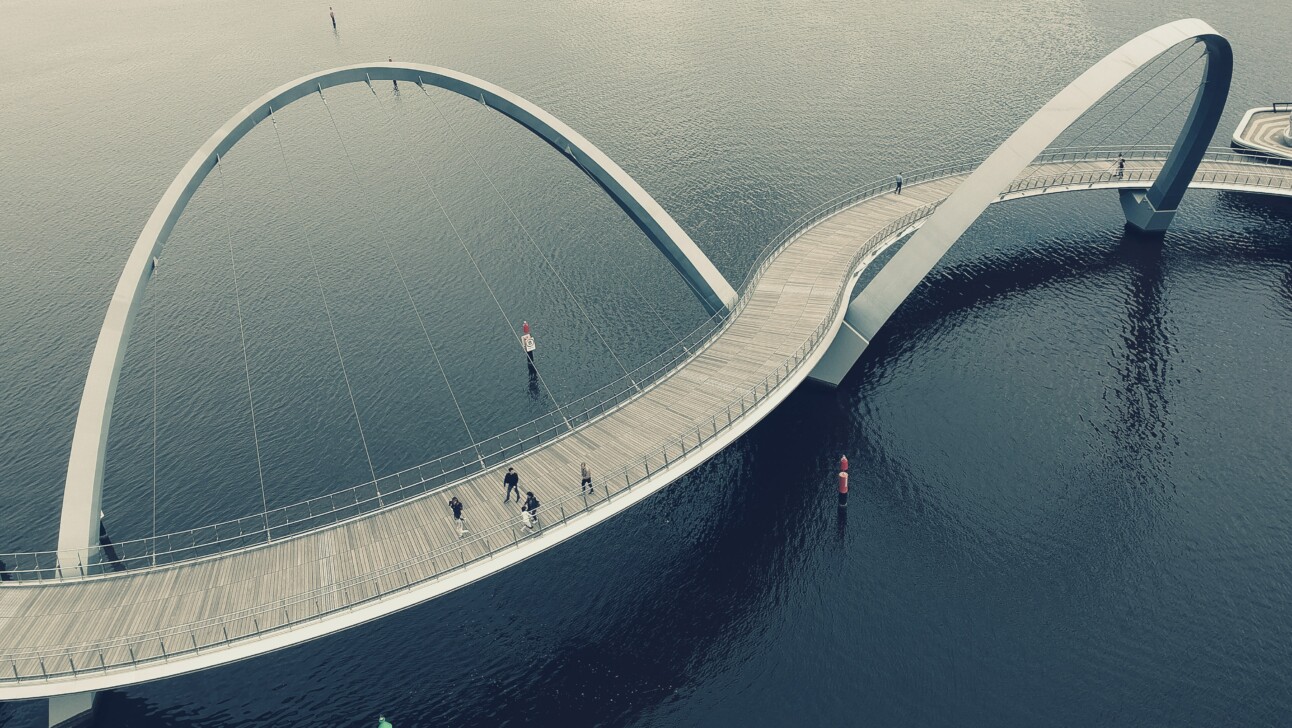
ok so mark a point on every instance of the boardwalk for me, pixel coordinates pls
(109, 630)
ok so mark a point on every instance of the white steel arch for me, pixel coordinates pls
(82, 494)
(1149, 210)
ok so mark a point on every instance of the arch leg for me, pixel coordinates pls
(71, 711)
(843, 352)
(1141, 213)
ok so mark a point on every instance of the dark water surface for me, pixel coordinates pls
(1069, 461)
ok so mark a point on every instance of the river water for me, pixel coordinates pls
(1068, 458)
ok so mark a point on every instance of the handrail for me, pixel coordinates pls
(305, 516)
(44, 664)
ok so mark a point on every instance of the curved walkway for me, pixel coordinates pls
(104, 631)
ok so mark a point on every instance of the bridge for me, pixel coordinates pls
(78, 620)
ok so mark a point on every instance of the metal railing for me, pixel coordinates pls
(43, 664)
(365, 498)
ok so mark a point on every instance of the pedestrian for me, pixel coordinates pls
(530, 509)
(333, 14)
(587, 478)
(528, 344)
(512, 481)
(1121, 166)
(456, 505)
(899, 184)
(394, 80)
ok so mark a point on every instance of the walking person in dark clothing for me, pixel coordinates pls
(1121, 166)
(899, 184)
(333, 14)
(530, 509)
(512, 481)
(456, 505)
(586, 474)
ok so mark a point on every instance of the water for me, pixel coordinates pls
(1067, 455)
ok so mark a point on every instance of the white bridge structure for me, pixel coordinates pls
(77, 621)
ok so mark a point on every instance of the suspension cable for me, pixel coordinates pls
(403, 280)
(153, 316)
(1129, 95)
(1192, 93)
(448, 122)
(1148, 78)
(1163, 89)
(242, 333)
(534, 244)
(475, 264)
(336, 341)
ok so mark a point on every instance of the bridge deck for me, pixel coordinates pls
(109, 623)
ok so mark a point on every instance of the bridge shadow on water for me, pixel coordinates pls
(1138, 263)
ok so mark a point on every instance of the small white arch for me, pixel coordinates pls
(1149, 210)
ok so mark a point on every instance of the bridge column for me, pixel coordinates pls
(70, 711)
(843, 352)
(1142, 214)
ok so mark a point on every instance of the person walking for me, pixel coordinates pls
(456, 505)
(899, 184)
(586, 474)
(333, 15)
(512, 481)
(530, 509)
(393, 80)
(1121, 166)
(528, 344)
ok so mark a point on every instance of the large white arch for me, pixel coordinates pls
(82, 495)
(1149, 210)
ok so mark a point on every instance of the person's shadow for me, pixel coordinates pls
(534, 394)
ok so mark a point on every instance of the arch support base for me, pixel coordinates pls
(842, 353)
(71, 711)
(1141, 213)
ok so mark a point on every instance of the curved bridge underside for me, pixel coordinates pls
(94, 633)
(1149, 211)
(79, 525)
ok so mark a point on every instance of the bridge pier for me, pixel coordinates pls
(1141, 213)
(71, 711)
(838, 359)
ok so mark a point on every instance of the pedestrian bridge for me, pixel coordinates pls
(149, 622)
(74, 623)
